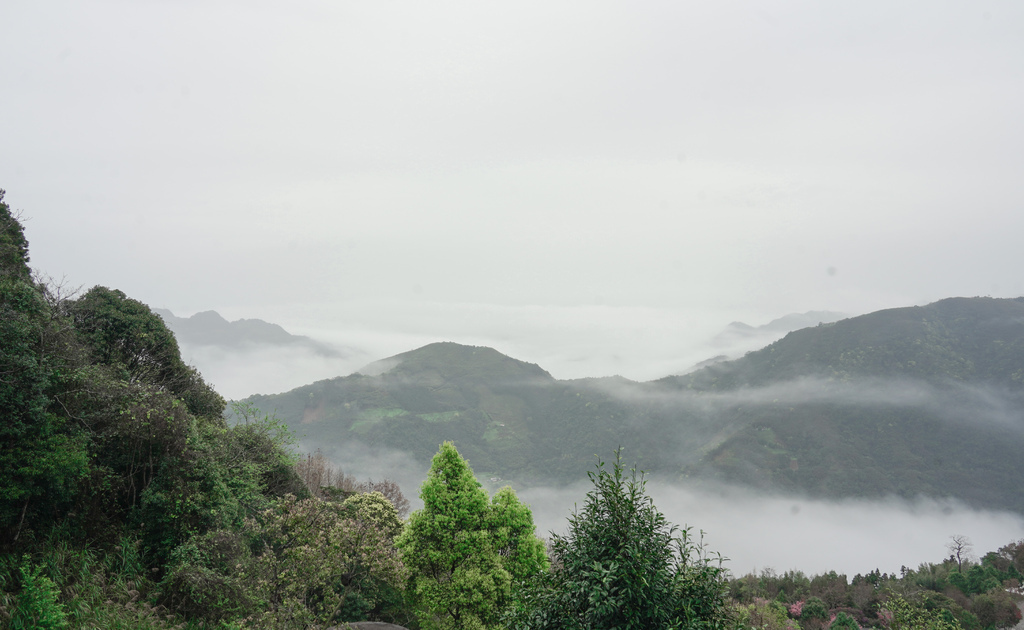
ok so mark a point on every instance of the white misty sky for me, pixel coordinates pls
(592, 186)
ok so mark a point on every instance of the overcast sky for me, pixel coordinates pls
(587, 185)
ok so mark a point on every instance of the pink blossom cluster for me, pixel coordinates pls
(796, 608)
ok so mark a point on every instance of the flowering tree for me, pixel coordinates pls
(317, 556)
(899, 614)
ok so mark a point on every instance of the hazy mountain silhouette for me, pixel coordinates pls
(208, 328)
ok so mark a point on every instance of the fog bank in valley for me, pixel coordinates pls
(236, 374)
(952, 401)
(757, 532)
(753, 531)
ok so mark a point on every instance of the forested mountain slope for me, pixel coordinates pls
(909, 401)
(919, 400)
(963, 339)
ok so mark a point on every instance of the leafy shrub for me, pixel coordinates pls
(37, 606)
(203, 581)
(843, 621)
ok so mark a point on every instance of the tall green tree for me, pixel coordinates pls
(513, 536)
(623, 566)
(462, 551)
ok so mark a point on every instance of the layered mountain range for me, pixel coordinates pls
(918, 401)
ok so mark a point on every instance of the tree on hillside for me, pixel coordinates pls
(128, 336)
(622, 565)
(462, 551)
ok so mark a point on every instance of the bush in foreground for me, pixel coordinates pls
(622, 565)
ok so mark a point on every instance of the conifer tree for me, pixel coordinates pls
(463, 552)
(623, 566)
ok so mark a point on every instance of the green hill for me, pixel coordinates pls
(510, 418)
(911, 401)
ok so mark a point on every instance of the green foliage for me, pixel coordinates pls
(510, 524)
(1011, 557)
(844, 621)
(312, 559)
(374, 509)
(125, 334)
(904, 615)
(203, 581)
(106, 431)
(216, 478)
(13, 244)
(930, 576)
(463, 552)
(37, 606)
(996, 609)
(622, 565)
(975, 579)
(41, 455)
(93, 589)
(297, 563)
(258, 447)
(763, 614)
(863, 599)
(814, 608)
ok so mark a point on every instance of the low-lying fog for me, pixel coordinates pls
(569, 342)
(755, 531)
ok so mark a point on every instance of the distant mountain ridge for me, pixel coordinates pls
(786, 323)
(738, 338)
(955, 338)
(209, 328)
(912, 401)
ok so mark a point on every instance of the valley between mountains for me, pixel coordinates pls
(911, 402)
